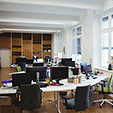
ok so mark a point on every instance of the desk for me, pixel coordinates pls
(71, 86)
(66, 86)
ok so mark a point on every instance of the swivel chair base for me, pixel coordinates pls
(109, 101)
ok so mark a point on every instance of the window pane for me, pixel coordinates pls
(105, 49)
(59, 47)
(73, 32)
(60, 37)
(73, 46)
(105, 22)
(112, 43)
(79, 31)
(78, 54)
(112, 20)
(73, 49)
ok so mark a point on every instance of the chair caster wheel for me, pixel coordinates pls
(100, 106)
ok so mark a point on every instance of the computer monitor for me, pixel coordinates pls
(88, 68)
(41, 70)
(40, 60)
(63, 60)
(29, 61)
(35, 58)
(58, 73)
(38, 64)
(21, 78)
(20, 60)
(47, 58)
(83, 67)
(70, 63)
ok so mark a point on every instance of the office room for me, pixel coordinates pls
(43, 34)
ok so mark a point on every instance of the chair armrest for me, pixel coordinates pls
(66, 97)
(102, 86)
(104, 80)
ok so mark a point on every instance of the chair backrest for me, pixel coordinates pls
(82, 98)
(22, 65)
(110, 84)
(30, 96)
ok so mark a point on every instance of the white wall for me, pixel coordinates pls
(87, 37)
(66, 41)
(90, 39)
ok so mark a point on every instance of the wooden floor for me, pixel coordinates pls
(51, 108)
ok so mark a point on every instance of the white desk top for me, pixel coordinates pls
(17, 72)
(69, 86)
(66, 86)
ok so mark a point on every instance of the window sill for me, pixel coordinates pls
(104, 69)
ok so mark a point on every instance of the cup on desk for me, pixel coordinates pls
(76, 80)
(54, 83)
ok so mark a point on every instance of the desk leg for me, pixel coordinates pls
(58, 102)
(51, 99)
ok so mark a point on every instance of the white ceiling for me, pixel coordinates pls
(48, 16)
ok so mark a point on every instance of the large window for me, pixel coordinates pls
(112, 43)
(111, 20)
(76, 43)
(73, 49)
(105, 49)
(60, 46)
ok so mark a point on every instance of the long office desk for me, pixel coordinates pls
(66, 86)
(71, 86)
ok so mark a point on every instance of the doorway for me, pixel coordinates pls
(5, 57)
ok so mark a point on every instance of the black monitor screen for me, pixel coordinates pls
(70, 63)
(47, 58)
(65, 59)
(58, 73)
(88, 68)
(29, 61)
(21, 78)
(83, 67)
(20, 60)
(42, 72)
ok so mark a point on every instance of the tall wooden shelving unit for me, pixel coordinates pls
(47, 48)
(16, 46)
(37, 45)
(27, 44)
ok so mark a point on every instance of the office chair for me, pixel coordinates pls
(105, 90)
(22, 65)
(30, 96)
(81, 99)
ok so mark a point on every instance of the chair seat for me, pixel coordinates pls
(99, 89)
(71, 103)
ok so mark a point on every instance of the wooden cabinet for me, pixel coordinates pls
(37, 45)
(47, 45)
(16, 46)
(5, 40)
(27, 44)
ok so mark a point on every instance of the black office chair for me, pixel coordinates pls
(105, 90)
(81, 100)
(30, 96)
